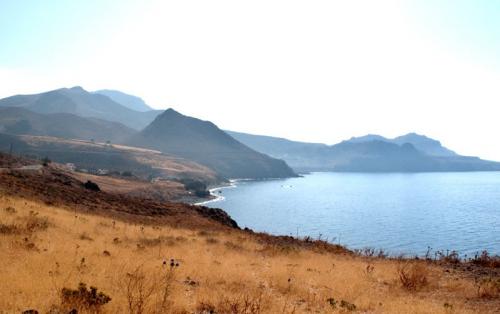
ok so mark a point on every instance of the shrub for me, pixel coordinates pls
(242, 305)
(10, 210)
(33, 222)
(486, 260)
(46, 161)
(413, 276)
(26, 225)
(201, 193)
(211, 240)
(487, 287)
(86, 237)
(348, 306)
(89, 185)
(450, 257)
(199, 188)
(232, 246)
(8, 229)
(142, 290)
(83, 298)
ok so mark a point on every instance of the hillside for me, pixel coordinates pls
(370, 153)
(142, 163)
(15, 120)
(205, 143)
(142, 256)
(79, 102)
(127, 100)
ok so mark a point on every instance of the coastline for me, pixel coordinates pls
(407, 247)
(215, 196)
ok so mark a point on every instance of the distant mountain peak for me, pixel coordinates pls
(171, 112)
(367, 138)
(77, 89)
(126, 100)
(414, 135)
(76, 100)
(168, 116)
(202, 141)
(426, 144)
(422, 143)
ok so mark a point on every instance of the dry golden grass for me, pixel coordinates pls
(158, 269)
(166, 164)
(161, 190)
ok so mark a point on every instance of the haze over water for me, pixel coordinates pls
(400, 213)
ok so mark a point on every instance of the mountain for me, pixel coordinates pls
(425, 144)
(129, 101)
(14, 120)
(371, 153)
(368, 138)
(421, 142)
(301, 156)
(79, 102)
(203, 142)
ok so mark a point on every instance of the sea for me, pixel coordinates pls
(401, 213)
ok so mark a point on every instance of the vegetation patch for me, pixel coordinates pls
(83, 298)
(413, 275)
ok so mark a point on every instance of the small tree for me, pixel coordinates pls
(46, 161)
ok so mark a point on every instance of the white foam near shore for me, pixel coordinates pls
(215, 192)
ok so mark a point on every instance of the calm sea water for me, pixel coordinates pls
(400, 213)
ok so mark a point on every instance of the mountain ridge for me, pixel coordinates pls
(202, 141)
(20, 121)
(426, 144)
(130, 101)
(371, 153)
(78, 101)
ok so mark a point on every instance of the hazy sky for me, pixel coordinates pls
(319, 71)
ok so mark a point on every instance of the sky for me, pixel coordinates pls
(311, 70)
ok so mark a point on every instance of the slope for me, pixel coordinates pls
(205, 143)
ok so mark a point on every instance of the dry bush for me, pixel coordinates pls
(343, 304)
(278, 249)
(25, 224)
(9, 229)
(413, 275)
(487, 287)
(85, 237)
(10, 210)
(83, 299)
(138, 291)
(211, 241)
(486, 260)
(166, 240)
(233, 246)
(449, 257)
(33, 222)
(205, 233)
(371, 252)
(242, 305)
(149, 291)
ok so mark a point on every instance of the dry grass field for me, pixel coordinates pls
(47, 251)
(161, 190)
